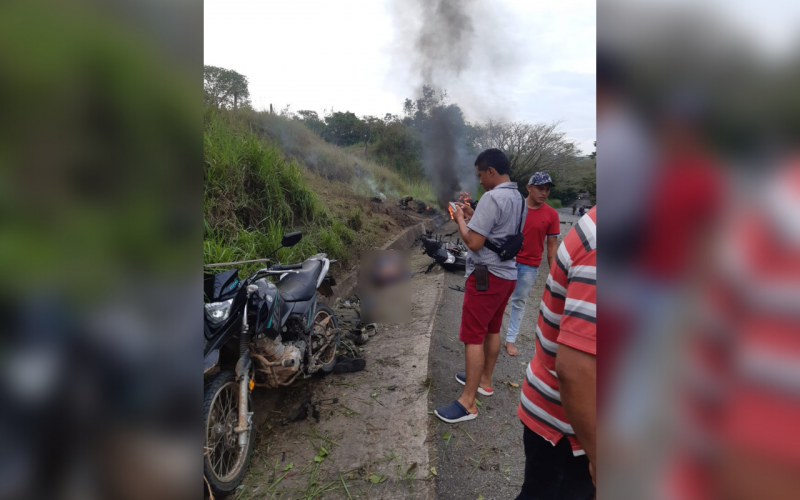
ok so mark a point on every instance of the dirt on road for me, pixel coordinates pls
(372, 434)
(362, 435)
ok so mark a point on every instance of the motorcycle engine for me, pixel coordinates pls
(284, 359)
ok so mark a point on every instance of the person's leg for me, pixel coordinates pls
(491, 348)
(476, 312)
(474, 368)
(542, 468)
(517, 305)
(526, 278)
(504, 290)
(576, 480)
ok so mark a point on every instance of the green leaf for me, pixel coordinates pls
(433, 471)
(321, 454)
(291, 464)
(480, 497)
(373, 394)
(375, 479)
(478, 403)
(447, 435)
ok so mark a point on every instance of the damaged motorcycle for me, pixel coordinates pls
(259, 333)
(451, 256)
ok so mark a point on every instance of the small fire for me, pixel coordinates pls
(462, 197)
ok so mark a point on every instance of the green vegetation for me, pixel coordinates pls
(259, 170)
(254, 194)
(555, 203)
(269, 174)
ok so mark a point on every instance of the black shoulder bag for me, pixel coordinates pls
(512, 245)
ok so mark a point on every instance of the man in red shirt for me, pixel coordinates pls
(558, 398)
(542, 222)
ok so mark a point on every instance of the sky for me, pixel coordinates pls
(358, 55)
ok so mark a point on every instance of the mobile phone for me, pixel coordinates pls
(481, 278)
(454, 206)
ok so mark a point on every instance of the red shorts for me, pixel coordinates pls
(482, 312)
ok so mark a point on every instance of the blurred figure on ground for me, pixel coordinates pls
(558, 398)
(541, 224)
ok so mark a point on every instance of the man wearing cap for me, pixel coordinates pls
(540, 224)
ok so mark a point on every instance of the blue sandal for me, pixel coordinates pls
(454, 413)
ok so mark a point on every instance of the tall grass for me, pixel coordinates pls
(255, 190)
(254, 194)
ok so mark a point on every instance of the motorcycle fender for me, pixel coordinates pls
(210, 361)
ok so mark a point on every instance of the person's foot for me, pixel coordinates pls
(455, 412)
(512, 349)
(462, 379)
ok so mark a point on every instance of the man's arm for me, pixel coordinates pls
(473, 240)
(482, 219)
(577, 383)
(552, 248)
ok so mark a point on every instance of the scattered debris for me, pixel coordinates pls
(302, 410)
(458, 288)
(375, 199)
(513, 384)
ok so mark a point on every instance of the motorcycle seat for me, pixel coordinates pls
(300, 286)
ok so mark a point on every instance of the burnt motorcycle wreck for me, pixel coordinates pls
(451, 256)
(259, 333)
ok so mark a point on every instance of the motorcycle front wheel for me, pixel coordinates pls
(225, 462)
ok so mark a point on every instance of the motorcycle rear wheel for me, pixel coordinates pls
(224, 462)
(331, 327)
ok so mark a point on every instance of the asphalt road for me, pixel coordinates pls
(484, 457)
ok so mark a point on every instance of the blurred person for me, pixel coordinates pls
(574, 207)
(541, 224)
(743, 354)
(558, 397)
(673, 252)
(490, 280)
(582, 210)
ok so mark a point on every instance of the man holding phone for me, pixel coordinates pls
(490, 280)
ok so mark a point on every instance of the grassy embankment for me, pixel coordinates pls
(266, 176)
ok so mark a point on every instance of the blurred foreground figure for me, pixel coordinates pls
(741, 388)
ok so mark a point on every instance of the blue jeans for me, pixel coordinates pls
(526, 277)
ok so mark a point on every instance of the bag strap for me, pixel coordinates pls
(494, 248)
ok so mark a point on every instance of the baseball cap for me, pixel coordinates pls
(540, 178)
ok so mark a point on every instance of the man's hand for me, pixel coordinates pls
(458, 214)
(466, 209)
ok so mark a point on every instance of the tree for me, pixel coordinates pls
(225, 88)
(343, 129)
(372, 131)
(593, 155)
(590, 184)
(311, 120)
(530, 148)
